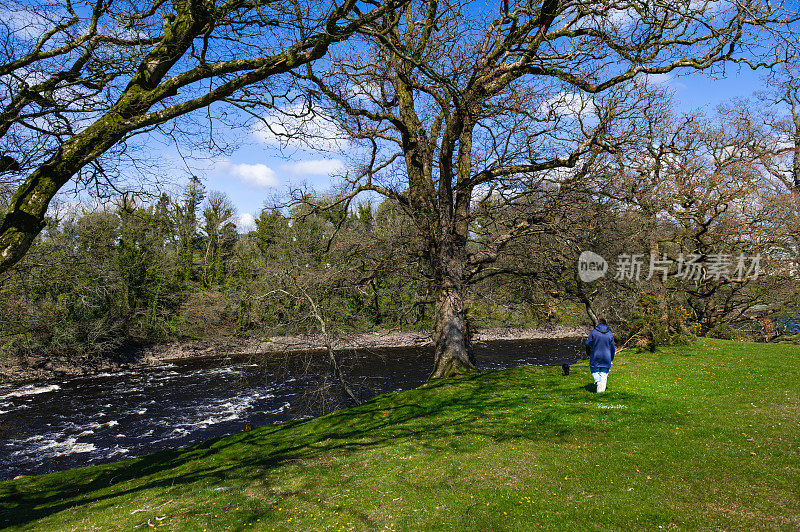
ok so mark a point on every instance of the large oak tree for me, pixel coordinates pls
(459, 104)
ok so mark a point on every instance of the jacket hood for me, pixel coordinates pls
(602, 328)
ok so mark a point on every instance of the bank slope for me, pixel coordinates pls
(706, 435)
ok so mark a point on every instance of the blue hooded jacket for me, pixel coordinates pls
(600, 347)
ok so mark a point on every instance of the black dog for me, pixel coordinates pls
(565, 369)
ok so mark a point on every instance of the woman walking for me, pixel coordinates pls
(600, 348)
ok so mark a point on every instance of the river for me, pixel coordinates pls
(64, 423)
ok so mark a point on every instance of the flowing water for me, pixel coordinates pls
(59, 424)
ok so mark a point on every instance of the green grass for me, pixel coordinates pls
(699, 436)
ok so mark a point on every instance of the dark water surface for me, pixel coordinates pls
(59, 424)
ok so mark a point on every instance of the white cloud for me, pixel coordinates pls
(660, 80)
(315, 167)
(300, 127)
(370, 92)
(567, 104)
(28, 24)
(256, 175)
(622, 18)
(245, 222)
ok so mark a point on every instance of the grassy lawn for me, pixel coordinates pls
(699, 436)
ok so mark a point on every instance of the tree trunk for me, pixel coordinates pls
(795, 191)
(376, 318)
(451, 332)
(451, 336)
(656, 280)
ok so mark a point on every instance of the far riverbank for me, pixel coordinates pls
(42, 367)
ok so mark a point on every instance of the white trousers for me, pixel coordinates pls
(600, 379)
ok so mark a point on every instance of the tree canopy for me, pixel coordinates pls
(77, 80)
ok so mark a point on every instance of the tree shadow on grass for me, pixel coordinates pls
(447, 416)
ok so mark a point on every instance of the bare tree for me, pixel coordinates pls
(457, 103)
(775, 131)
(77, 81)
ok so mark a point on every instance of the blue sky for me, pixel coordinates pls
(695, 90)
(259, 168)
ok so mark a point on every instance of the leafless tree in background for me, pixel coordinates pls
(774, 123)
